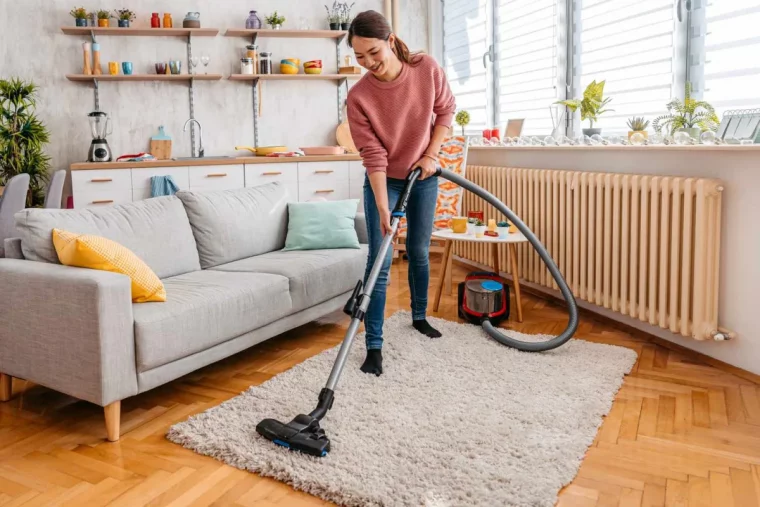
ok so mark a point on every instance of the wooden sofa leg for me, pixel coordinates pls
(113, 418)
(6, 387)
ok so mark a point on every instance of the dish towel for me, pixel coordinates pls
(162, 185)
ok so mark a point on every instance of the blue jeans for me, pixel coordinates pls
(420, 212)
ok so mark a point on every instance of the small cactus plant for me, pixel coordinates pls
(638, 124)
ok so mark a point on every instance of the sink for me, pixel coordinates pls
(205, 157)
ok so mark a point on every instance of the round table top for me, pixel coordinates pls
(515, 237)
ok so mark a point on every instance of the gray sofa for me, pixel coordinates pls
(229, 286)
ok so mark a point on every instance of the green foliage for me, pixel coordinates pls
(503, 223)
(479, 223)
(592, 104)
(79, 13)
(22, 138)
(275, 19)
(103, 14)
(463, 119)
(125, 15)
(638, 124)
(687, 114)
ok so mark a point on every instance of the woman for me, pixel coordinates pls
(399, 114)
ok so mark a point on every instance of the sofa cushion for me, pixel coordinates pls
(234, 224)
(156, 230)
(314, 275)
(203, 309)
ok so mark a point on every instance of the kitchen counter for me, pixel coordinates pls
(83, 166)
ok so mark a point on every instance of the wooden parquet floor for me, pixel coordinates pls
(680, 432)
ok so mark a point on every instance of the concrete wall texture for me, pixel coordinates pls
(299, 113)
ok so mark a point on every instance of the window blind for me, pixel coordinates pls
(465, 41)
(529, 75)
(731, 68)
(629, 44)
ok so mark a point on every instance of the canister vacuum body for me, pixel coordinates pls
(483, 296)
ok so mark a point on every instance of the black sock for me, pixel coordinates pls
(423, 327)
(374, 362)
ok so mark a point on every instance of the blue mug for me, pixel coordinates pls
(126, 67)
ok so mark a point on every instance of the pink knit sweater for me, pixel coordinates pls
(391, 122)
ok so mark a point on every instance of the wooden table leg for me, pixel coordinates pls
(516, 280)
(495, 255)
(444, 264)
(448, 272)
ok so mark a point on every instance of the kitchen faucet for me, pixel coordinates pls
(201, 151)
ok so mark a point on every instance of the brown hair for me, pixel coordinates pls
(373, 25)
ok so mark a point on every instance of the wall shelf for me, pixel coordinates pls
(144, 77)
(140, 32)
(290, 34)
(293, 77)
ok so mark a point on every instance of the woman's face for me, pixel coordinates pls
(374, 54)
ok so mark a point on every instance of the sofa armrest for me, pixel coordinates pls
(360, 223)
(69, 329)
(13, 248)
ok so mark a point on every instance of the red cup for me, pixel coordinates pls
(495, 134)
(487, 133)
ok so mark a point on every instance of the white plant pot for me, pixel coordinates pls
(479, 230)
(502, 231)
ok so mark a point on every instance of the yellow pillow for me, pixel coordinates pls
(95, 252)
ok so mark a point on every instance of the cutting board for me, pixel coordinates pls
(343, 135)
(161, 145)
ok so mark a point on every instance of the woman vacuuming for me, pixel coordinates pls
(399, 114)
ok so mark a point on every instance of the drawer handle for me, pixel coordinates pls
(271, 173)
(105, 201)
(216, 175)
(101, 180)
(324, 191)
(325, 171)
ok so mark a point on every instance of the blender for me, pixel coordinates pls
(99, 149)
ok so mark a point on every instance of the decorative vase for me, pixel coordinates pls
(123, 23)
(168, 20)
(344, 26)
(155, 21)
(86, 65)
(103, 23)
(334, 26)
(91, 21)
(81, 21)
(253, 22)
(591, 132)
(96, 68)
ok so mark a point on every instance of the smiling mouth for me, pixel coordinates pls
(376, 67)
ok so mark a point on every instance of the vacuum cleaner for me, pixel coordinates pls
(304, 433)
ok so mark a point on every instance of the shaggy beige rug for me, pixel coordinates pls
(459, 420)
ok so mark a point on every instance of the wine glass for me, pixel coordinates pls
(204, 60)
(193, 63)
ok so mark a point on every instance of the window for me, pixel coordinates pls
(515, 58)
(726, 45)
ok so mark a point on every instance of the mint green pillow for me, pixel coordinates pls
(318, 225)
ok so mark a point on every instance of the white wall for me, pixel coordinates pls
(740, 234)
(33, 47)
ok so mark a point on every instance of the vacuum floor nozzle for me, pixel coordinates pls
(302, 434)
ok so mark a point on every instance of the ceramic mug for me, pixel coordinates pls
(113, 68)
(126, 67)
(458, 224)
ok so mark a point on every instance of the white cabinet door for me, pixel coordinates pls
(283, 172)
(216, 177)
(100, 187)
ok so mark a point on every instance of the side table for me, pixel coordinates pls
(511, 240)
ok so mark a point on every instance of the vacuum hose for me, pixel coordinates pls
(572, 307)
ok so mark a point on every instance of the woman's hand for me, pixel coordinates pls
(427, 167)
(385, 220)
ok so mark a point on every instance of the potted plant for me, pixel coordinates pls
(638, 125)
(80, 16)
(592, 106)
(124, 16)
(691, 115)
(275, 20)
(22, 139)
(333, 16)
(480, 228)
(502, 228)
(463, 119)
(103, 18)
(345, 15)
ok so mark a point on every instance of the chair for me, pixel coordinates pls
(452, 156)
(12, 201)
(54, 193)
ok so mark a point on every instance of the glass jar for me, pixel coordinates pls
(251, 51)
(265, 63)
(246, 66)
